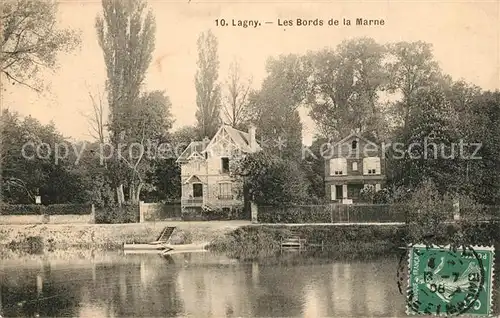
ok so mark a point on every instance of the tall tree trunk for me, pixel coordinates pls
(118, 197)
(138, 192)
(131, 192)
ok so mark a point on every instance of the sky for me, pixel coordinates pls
(465, 38)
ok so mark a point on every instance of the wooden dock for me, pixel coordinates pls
(296, 243)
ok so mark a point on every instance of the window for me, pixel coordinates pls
(371, 165)
(196, 166)
(354, 166)
(354, 144)
(332, 192)
(338, 166)
(225, 165)
(197, 190)
(225, 191)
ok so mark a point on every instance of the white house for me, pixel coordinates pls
(205, 169)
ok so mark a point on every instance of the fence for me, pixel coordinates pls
(160, 211)
(357, 213)
(39, 214)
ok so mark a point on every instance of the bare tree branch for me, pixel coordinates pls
(96, 119)
(20, 82)
(236, 100)
(31, 40)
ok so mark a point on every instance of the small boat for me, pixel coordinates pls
(160, 244)
(183, 248)
(144, 246)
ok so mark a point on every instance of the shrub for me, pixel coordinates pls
(329, 213)
(295, 214)
(272, 180)
(30, 245)
(426, 212)
(38, 209)
(239, 213)
(61, 209)
(127, 213)
(21, 209)
(249, 242)
(381, 197)
(214, 214)
(255, 241)
(191, 216)
(171, 210)
(367, 194)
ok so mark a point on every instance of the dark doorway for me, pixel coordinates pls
(225, 165)
(197, 190)
(338, 192)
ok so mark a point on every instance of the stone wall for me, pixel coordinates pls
(47, 219)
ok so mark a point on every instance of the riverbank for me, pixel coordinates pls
(109, 236)
(238, 239)
(346, 240)
(349, 240)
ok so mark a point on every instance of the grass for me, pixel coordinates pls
(110, 236)
(257, 242)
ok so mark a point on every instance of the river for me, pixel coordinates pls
(199, 285)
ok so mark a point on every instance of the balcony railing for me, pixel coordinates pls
(192, 201)
(225, 197)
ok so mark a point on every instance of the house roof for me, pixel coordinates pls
(194, 148)
(240, 138)
(193, 179)
(356, 135)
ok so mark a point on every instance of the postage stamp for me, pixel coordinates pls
(450, 281)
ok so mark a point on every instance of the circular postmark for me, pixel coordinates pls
(442, 280)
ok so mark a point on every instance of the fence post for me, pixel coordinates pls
(254, 212)
(92, 214)
(141, 212)
(348, 208)
(331, 213)
(456, 210)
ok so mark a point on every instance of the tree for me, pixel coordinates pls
(426, 211)
(31, 40)
(166, 180)
(274, 108)
(272, 180)
(37, 160)
(126, 36)
(152, 121)
(185, 135)
(165, 174)
(482, 125)
(313, 165)
(97, 118)
(208, 95)
(345, 83)
(411, 66)
(235, 107)
(430, 148)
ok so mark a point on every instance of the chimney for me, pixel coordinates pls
(252, 142)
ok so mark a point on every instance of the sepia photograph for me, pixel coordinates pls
(281, 158)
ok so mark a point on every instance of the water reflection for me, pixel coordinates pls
(200, 285)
